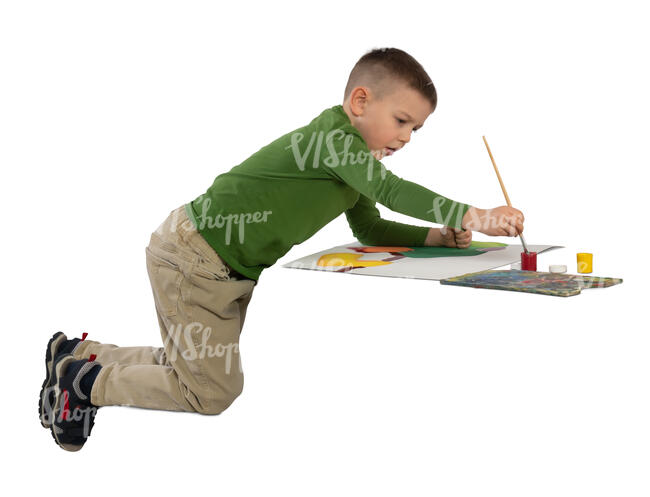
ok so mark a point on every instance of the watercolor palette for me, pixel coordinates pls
(559, 285)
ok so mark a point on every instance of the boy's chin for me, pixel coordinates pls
(379, 154)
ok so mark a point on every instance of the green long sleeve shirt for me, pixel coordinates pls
(288, 190)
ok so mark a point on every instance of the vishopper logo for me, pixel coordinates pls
(487, 220)
(333, 157)
(334, 264)
(227, 221)
(590, 281)
(456, 207)
(193, 343)
(55, 416)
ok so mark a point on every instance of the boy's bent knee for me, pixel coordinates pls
(211, 406)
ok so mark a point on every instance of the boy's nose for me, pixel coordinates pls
(406, 137)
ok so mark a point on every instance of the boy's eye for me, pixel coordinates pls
(403, 121)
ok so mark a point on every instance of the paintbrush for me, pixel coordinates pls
(503, 188)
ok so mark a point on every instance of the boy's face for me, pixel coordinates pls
(386, 123)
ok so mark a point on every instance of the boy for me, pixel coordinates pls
(205, 259)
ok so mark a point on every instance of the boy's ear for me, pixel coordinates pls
(359, 100)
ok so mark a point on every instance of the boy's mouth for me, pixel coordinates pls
(389, 151)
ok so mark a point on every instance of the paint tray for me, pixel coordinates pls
(559, 285)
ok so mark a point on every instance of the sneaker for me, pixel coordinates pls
(58, 344)
(73, 414)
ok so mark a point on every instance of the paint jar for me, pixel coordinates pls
(585, 262)
(529, 261)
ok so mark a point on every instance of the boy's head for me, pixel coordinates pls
(388, 95)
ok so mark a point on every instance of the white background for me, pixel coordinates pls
(114, 113)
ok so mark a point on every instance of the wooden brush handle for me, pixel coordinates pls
(496, 170)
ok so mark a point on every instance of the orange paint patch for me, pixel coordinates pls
(372, 250)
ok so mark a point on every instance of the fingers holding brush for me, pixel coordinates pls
(463, 239)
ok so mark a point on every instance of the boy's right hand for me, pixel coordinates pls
(499, 221)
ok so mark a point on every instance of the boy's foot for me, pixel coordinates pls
(73, 414)
(58, 344)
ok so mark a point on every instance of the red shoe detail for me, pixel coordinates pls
(66, 408)
(83, 336)
(92, 357)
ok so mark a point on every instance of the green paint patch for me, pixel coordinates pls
(475, 248)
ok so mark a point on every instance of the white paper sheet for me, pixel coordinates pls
(436, 268)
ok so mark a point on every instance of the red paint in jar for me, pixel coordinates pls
(529, 261)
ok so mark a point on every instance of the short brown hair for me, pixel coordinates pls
(381, 65)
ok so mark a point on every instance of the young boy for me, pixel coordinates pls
(205, 259)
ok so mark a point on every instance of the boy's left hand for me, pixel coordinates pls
(455, 238)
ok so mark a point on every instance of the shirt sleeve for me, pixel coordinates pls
(346, 157)
(370, 229)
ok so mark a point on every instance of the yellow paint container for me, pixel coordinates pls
(585, 262)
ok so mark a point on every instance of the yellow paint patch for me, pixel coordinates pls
(347, 260)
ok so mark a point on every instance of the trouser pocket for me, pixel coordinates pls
(165, 276)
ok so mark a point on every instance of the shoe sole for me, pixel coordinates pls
(58, 371)
(46, 389)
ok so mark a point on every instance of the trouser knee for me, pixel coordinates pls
(212, 406)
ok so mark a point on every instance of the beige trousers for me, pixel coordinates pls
(201, 305)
